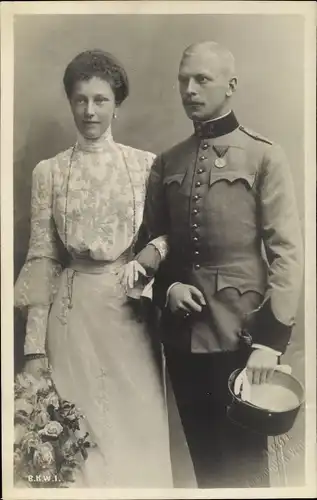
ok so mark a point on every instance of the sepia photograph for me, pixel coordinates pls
(157, 297)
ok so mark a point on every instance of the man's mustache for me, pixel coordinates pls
(191, 101)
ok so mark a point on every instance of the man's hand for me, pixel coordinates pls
(186, 298)
(261, 365)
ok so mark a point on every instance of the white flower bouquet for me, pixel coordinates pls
(48, 444)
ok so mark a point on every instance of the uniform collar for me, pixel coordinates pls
(217, 127)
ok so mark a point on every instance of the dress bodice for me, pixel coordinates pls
(96, 194)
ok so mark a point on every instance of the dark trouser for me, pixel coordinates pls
(223, 454)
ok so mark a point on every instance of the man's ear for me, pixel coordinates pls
(232, 85)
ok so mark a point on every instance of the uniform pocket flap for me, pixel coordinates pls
(241, 283)
(232, 177)
(174, 178)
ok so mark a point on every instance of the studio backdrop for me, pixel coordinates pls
(269, 53)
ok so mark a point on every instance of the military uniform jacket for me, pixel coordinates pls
(225, 198)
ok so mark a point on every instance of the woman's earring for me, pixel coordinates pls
(114, 115)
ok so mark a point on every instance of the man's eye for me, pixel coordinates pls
(202, 79)
(79, 100)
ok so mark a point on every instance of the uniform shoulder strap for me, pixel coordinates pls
(254, 135)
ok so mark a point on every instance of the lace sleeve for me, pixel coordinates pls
(36, 325)
(38, 280)
(161, 244)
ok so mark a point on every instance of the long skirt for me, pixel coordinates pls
(104, 361)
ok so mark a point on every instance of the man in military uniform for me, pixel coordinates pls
(224, 196)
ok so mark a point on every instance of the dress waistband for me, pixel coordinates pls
(96, 267)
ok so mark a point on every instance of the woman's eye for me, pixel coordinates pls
(100, 100)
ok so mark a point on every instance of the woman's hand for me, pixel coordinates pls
(35, 367)
(130, 274)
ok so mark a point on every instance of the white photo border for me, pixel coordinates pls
(8, 10)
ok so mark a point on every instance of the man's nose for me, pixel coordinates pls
(191, 87)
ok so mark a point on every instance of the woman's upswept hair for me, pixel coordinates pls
(101, 64)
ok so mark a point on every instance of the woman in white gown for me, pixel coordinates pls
(88, 201)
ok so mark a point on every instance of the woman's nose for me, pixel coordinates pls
(90, 110)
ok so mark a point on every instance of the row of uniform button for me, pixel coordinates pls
(196, 199)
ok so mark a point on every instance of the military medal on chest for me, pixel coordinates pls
(220, 161)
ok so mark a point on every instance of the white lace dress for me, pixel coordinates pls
(89, 201)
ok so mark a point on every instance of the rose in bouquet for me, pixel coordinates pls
(48, 443)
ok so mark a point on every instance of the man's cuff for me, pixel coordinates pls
(169, 289)
(266, 348)
(267, 330)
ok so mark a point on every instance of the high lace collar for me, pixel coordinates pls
(95, 146)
